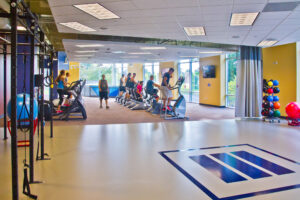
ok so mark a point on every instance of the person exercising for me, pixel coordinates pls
(150, 87)
(166, 89)
(139, 89)
(67, 79)
(127, 85)
(103, 91)
(61, 84)
(122, 85)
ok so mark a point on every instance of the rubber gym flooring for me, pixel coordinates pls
(208, 159)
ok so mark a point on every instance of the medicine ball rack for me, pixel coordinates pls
(20, 14)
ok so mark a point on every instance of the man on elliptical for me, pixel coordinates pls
(103, 91)
(166, 89)
(150, 87)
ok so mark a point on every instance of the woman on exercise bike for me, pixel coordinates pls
(60, 82)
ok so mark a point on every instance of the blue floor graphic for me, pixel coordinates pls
(237, 164)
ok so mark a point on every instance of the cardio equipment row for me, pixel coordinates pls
(152, 104)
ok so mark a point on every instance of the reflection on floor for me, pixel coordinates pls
(126, 161)
(118, 114)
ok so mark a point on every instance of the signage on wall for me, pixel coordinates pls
(63, 62)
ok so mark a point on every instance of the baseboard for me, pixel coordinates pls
(202, 104)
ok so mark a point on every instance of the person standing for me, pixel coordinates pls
(127, 85)
(122, 85)
(166, 89)
(67, 79)
(103, 91)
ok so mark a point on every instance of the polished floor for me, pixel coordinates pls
(149, 161)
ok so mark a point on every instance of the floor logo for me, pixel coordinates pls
(235, 171)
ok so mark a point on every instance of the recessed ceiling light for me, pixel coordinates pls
(267, 43)
(140, 53)
(194, 31)
(97, 11)
(152, 48)
(87, 51)
(77, 26)
(89, 45)
(87, 55)
(210, 52)
(243, 19)
(129, 57)
(189, 56)
(118, 52)
(21, 28)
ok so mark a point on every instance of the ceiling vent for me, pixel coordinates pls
(278, 7)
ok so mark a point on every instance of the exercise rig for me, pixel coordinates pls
(20, 13)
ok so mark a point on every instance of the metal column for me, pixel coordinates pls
(31, 136)
(4, 89)
(14, 152)
(41, 64)
(51, 93)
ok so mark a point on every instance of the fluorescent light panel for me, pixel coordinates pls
(267, 43)
(96, 10)
(89, 45)
(140, 53)
(118, 52)
(153, 48)
(210, 52)
(130, 57)
(87, 51)
(195, 31)
(87, 55)
(243, 19)
(189, 56)
(77, 26)
(21, 28)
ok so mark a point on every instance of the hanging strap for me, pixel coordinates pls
(26, 186)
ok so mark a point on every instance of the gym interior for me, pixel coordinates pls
(160, 99)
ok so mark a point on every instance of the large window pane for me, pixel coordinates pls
(118, 69)
(231, 65)
(147, 71)
(195, 82)
(156, 72)
(184, 68)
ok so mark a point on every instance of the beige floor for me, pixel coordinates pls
(121, 162)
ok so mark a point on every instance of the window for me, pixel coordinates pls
(92, 72)
(231, 65)
(189, 69)
(151, 69)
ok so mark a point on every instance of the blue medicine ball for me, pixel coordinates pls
(275, 83)
(275, 98)
(22, 113)
(270, 98)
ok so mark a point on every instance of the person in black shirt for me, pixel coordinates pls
(166, 89)
(103, 91)
(122, 85)
(127, 85)
(150, 86)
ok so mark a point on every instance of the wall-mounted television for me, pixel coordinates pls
(209, 71)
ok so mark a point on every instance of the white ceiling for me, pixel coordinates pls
(105, 54)
(166, 18)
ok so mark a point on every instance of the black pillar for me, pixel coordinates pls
(51, 92)
(41, 65)
(4, 89)
(31, 136)
(14, 152)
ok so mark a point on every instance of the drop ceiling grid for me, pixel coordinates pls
(141, 18)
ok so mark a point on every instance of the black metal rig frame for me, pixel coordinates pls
(20, 13)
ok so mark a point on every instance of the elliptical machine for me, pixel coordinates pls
(178, 109)
(76, 110)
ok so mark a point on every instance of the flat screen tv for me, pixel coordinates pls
(209, 71)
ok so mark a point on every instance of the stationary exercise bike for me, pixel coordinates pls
(178, 109)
